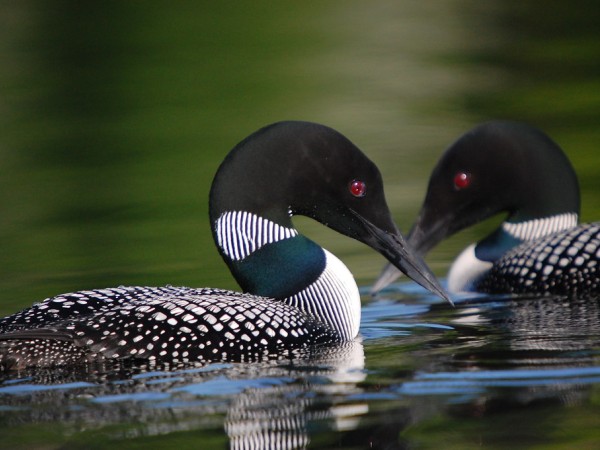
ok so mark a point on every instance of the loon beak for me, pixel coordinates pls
(421, 238)
(395, 248)
(388, 275)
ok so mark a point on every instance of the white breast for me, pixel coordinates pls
(333, 298)
(465, 270)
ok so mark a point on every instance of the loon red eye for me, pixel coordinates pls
(462, 180)
(358, 188)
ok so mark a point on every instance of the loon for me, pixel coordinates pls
(513, 168)
(295, 293)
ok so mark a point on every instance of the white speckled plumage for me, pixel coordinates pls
(468, 272)
(566, 262)
(174, 323)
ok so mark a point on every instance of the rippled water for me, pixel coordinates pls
(490, 372)
(114, 117)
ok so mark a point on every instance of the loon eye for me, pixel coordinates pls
(358, 188)
(462, 180)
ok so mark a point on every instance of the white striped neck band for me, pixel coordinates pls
(537, 228)
(333, 298)
(241, 233)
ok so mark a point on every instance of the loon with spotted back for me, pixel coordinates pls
(296, 294)
(539, 248)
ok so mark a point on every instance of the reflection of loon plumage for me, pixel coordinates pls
(280, 416)
(281, 170)
(551, 324)
(273, 404)
(539, 248)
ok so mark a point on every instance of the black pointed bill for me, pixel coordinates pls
(395, 248)
(422, 238)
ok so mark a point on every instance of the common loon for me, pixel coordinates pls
(509, 167)
(296, 294)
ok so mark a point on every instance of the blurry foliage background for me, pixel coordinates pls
(115, 115)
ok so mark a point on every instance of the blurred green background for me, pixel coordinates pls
(115, 115)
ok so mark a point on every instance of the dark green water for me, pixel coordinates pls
(113, 119)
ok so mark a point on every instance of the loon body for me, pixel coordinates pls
(296, 294)
(540, 248)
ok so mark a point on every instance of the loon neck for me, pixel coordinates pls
(529, 230)
(514, 232)
(477, 259)
(333, 298)
(273, 260)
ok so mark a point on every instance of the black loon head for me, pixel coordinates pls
(496, 167)
(299, 168)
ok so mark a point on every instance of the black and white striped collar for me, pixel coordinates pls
(241, 233)
(536, 228)
(333, 297)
